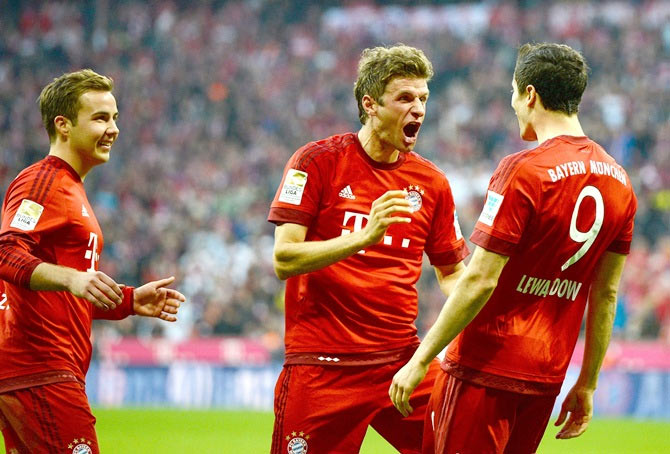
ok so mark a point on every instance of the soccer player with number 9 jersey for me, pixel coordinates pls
(553, 235)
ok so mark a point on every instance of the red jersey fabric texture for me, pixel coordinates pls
(367, 302)
(554, 210)
(45, 335)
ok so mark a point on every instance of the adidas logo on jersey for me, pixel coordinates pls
(84, 211)
(347, 194)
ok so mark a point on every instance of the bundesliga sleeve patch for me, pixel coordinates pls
(491, 207)
(294, 186)
(27, 215)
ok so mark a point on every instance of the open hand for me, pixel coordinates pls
(403, 384)
(579, 403)
(154, 300)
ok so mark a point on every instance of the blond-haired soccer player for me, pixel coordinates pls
(355, 212)
(554, 232)
(50, 245)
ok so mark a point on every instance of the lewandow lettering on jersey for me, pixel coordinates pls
(570, 168)
(562, 288)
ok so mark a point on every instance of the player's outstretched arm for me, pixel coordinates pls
(472, 291)
(293, 255)
(155, 300)
(599, 321)
(94, 286)
(448, 275)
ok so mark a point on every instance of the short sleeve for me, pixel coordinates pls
(621, 244)
(510, 204)
(445, 244)
(299, 193)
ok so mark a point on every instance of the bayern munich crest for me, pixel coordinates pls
(297, 444)
(80, 446)
(414, 193)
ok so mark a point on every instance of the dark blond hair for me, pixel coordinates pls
(557, 71)
(379, 65)
(61, 97)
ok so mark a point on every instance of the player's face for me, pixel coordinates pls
(95, 132)
(400, 113)
(522, 111)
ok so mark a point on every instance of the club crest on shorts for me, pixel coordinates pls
(80, 446)
(414, 193)
(297, 444)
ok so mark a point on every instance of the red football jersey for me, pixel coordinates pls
(368, 301)
(45, 335)
(554, 210)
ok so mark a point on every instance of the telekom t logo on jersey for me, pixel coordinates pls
(358, 225)
(92, 253)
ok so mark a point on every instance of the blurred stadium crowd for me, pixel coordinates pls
(215, 96)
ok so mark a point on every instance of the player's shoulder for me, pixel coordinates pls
(328, 149)
(41, 179)
(429, 168)
(514, 165)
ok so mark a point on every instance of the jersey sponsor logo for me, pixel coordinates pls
(457, 227)
(27, 215)
(297, 443)
(414, 193)
(491, 207)
(347, 193)
(84, 211)
(294, 186)
(358, 226)
(329, 359)
(562, 288)
(92, 254)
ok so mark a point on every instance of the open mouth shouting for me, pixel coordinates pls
(411, 132)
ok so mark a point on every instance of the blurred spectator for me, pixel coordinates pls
(214, 97)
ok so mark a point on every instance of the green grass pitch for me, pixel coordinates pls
(131, 431)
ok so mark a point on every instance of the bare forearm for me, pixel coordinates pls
(599, 322)
(47, 276)
(600, 317)
(302, 257)
(467, 299)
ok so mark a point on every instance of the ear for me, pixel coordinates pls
(63, 125)
(369, 105)
(532, 96)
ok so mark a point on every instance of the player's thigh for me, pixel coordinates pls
(472, 419)
(532, 416)
(50, 418)
(321, 409)
(408, 434)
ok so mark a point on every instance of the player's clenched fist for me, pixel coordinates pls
(384, 212)
(97, 288)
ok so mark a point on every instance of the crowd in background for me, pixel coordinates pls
(215, 96)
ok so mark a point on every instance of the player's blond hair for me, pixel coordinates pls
(379, 65)
(61, 96)
(558, 72)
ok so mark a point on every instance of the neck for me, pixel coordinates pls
(374, 147)
(62, 150)
(553, 124)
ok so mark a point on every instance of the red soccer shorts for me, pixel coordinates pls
(327, 409)
(473, 419)
(53, 418)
